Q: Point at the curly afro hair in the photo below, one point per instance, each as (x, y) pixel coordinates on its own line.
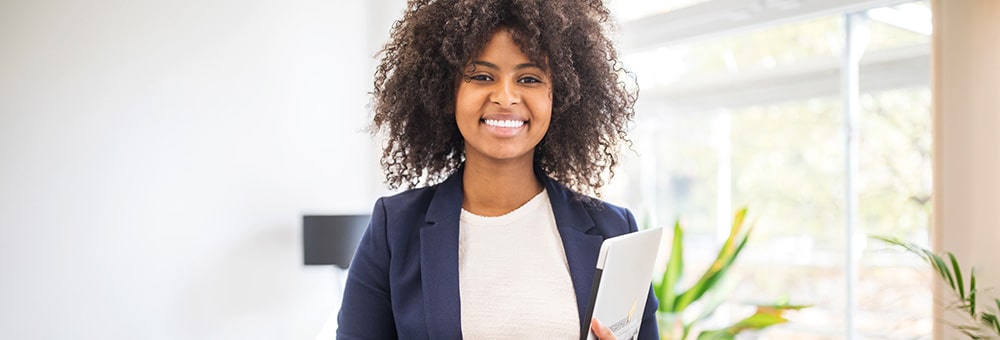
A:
(415, 84)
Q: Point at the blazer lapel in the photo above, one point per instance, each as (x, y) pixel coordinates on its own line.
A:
(573, 222)
(439, 261)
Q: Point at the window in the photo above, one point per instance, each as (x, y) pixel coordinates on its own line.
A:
(747, 105)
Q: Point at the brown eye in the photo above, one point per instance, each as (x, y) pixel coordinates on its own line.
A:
(529, 80)
(479, 78)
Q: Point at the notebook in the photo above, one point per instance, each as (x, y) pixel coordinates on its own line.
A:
(621, 282)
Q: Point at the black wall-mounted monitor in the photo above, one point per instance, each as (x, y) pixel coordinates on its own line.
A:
(331, 239)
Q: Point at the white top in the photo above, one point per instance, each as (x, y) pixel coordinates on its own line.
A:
(514, 280)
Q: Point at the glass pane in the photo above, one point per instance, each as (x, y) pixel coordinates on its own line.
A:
(784, 159)
(788, 167)
(775, 47)
(899, 26)
(895, 299)
(670, 173)
(894, 292)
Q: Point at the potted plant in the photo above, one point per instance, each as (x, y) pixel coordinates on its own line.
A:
(675, 323)
(981, 322)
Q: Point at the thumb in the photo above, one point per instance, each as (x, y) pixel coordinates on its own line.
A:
(600, 331)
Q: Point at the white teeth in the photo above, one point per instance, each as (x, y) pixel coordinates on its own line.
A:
(504, 123)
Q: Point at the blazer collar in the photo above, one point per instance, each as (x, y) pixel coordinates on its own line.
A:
(567, 206)
(446, 205)
(439, 251)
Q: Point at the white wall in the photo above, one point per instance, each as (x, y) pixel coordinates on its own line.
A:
(156, 158)
(966, 78)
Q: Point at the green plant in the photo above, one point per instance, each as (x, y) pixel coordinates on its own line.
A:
(675, 302)
(983, 322)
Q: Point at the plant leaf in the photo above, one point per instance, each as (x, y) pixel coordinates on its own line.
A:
(996, 321)
(942, 268)
(711, 276)
(738, 219)
(766, 316)
(716, 335)
(958, 275)
(991, 321)
(667, 291)
(781, 308)
(936, 262)
(968, 298)
(912, 248)
(760, 320)
(715, 298)
(972, 292)
(727, 255)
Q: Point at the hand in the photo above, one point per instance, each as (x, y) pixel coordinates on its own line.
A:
(600, 331)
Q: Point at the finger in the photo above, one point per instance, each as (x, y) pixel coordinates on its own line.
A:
(600, 331)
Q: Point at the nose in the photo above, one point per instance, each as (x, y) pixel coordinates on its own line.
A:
(506, 93)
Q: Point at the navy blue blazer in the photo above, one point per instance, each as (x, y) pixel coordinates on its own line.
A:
(403, 281)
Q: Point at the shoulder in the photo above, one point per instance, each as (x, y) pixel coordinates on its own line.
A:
(603, 208)
(609, 219)
(411, 202)
(606, 214)
(395, 218)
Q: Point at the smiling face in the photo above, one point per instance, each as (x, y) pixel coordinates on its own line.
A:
(503, 103)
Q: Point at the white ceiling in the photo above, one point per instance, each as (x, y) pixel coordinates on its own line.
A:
(721, 17)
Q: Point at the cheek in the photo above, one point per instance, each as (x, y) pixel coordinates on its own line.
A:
(462, 105)
(543, 108)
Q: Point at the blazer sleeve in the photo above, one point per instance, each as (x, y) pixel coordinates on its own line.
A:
(366, 308)
(649, 329)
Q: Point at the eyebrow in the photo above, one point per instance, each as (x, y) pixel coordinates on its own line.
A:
(495, 67)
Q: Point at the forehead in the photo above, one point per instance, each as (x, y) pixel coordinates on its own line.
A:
(503, 44)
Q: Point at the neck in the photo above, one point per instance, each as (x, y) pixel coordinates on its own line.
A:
(494, 189)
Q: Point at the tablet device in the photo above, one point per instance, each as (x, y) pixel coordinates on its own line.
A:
(621, 282)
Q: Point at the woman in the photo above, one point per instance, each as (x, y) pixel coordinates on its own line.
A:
(503, 114)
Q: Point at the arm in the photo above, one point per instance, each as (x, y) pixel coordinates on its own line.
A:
(649, 328)
(366, 309)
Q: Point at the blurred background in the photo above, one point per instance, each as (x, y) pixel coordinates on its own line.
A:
(156, 158)
(750, 104)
